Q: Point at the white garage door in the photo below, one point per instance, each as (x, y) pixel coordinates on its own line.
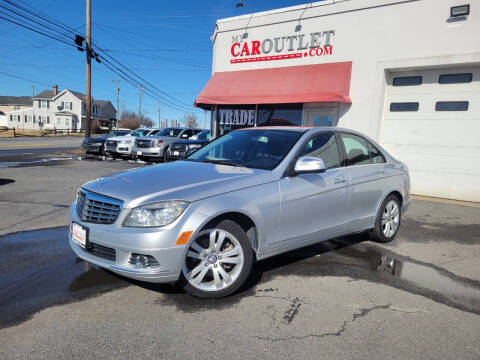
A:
(432, 123)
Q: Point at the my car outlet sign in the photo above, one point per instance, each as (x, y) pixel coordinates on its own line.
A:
(282, 47)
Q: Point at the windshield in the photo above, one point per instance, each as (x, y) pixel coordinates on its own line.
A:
(202, 135)
(172, 132)
(261, 149)
(140, 132)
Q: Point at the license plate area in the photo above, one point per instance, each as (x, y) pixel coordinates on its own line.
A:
(80, 235)
(176, 153)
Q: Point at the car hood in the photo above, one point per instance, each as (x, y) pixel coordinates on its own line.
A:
(180, 180)
(120, 138)
(96, 139)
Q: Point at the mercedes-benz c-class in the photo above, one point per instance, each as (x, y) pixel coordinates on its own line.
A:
(248, 195)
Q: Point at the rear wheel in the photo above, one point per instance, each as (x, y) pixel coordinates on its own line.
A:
(217, 262)
(388, 220)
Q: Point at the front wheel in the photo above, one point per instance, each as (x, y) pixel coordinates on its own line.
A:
(388, 220)
(165, 157)
(218, 261)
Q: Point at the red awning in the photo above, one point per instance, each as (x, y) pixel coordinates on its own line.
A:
(292, 84)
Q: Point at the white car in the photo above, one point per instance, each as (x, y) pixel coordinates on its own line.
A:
(122, 145)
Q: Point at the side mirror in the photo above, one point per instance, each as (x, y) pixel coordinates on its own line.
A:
(307, 164)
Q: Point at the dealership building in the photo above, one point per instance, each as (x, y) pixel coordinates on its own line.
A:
(406, 73)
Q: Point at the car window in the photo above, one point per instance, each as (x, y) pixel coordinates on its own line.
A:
(376, 156)
(187, 134)
(323, 146)
(356, 149)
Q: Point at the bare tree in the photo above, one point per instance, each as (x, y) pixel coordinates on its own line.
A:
(190, 120)
(129, 119)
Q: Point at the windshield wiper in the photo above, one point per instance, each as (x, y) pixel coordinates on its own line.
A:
(222, 162)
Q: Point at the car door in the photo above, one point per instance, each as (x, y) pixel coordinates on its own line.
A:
(366, 166)
(315, 204)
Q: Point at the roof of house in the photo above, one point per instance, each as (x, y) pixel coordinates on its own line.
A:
(45, 94)
(15, 100)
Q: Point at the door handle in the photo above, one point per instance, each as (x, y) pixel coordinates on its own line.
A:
(339, 180)
(380, 172)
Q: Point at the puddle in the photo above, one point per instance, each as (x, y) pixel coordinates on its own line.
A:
(38, 270)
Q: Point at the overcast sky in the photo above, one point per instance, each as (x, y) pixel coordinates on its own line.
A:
(166, 42)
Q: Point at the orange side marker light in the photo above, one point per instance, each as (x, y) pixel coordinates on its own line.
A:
(183, 238)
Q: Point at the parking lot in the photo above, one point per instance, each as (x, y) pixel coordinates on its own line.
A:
(346, 298)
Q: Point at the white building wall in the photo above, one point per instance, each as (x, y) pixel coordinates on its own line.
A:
(376, 35)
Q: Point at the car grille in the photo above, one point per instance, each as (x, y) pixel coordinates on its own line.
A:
(102, 251)
(142, 143)
(111, 143)
(179, 147)
(96, 208)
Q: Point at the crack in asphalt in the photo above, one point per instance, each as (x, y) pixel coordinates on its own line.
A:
(292, 311)
(362, 312)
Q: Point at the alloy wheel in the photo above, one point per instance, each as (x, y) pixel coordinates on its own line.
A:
(390, 219)
(214, 260)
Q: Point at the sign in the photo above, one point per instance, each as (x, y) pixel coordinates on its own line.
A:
(238, 117)
(282, 47)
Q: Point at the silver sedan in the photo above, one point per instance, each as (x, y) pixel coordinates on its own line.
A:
(248, 195)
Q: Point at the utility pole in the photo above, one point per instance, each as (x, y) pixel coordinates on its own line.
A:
(33, 89)
(118, 96)
(159, 123)
(89, 70)
(140, 105)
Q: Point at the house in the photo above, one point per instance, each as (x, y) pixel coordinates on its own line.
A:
(61, 110)
(9, 103)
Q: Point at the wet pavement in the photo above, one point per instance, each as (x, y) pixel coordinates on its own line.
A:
(38, 270)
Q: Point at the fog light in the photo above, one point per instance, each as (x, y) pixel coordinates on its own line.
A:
(142, 261)
(461, 10)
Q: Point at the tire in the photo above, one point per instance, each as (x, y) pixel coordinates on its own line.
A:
(207, 270)
(388, 220)
(165, 157)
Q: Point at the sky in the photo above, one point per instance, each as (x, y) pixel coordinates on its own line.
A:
(166, 42)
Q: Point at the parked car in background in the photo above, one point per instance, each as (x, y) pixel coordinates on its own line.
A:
(97, 144)
(250, 194)
(156, 147)
(178, 149)
(122, 145)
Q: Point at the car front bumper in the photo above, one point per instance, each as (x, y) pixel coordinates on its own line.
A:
(125, 241)
(148, 152)
(92, 148)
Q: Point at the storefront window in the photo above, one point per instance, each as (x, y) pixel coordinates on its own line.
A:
(280, 115)
(231, 117)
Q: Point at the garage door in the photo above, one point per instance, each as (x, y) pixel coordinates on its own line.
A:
(432, 123)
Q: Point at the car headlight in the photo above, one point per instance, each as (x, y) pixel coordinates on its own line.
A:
(97, 144)
(157, 214)
(124, 141)
(194, 146)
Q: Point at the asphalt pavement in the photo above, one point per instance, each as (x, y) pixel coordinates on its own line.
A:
(348, 298)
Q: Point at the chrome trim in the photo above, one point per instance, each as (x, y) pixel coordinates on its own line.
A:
(96, 208)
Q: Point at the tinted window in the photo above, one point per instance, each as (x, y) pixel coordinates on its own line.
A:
(403, 106)
(451, 106)
(262, 149)
(407, 81)
(280, 114)
(455, 78)
(376, 156)
(323, 146)
(356, 149)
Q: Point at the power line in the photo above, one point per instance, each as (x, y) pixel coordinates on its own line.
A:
(23, 78)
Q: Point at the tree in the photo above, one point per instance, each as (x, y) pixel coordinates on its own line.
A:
(129, 119)
(190, 120)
